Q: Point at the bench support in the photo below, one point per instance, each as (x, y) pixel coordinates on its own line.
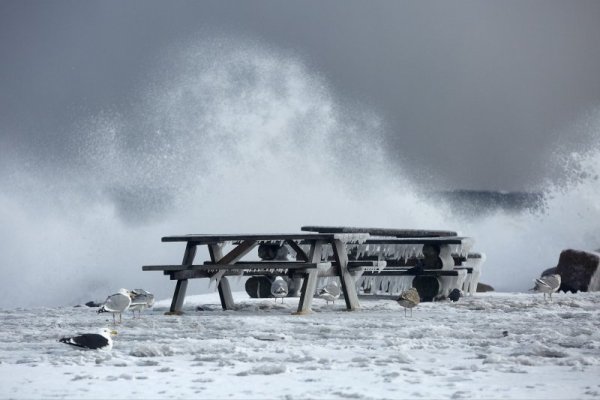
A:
(346, 278)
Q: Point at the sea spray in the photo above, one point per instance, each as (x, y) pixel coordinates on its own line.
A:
(233, 137)
(519, 246)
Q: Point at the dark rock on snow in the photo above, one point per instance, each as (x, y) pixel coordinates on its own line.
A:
(482, 287)
(579, 270)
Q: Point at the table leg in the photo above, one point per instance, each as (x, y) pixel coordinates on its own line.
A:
(348, 283)
(181, 286)
(310, 281)
(225, 294)
(178, 296)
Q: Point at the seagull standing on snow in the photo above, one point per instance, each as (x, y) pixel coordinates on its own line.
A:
(140, 300)
(409, 299)
(279, 288)
(116, 304)
(94, 341)
(330, 292)
(547, 284)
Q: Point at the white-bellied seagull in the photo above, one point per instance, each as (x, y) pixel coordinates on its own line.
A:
(279, 288)
(140, 300)
(330, 292)
(116, 304)
(547, 284)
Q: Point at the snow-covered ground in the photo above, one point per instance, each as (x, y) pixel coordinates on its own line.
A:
(496, 345)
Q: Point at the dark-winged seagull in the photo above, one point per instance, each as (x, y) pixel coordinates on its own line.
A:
(547, 284)
(116, 303)
(279, 288)
(330, 292)
(409, 299)
(140, 300)
(93, 341)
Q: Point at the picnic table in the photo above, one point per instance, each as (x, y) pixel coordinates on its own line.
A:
(341, 252)
(438, 260)
(308, 264)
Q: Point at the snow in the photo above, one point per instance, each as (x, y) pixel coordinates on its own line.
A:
(490, 345)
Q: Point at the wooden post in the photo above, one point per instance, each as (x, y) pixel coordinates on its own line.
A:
(310, 281)
(348, 284)
(225, 294)
(216, 256)
(181, 286)
(178, 297)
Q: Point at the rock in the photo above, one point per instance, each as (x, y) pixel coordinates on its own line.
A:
(579, 270)
(93, 304)
(482, 287)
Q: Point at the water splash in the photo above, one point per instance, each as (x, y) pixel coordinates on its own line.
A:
(231, 137)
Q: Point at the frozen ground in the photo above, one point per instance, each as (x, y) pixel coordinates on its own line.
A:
(549, 350)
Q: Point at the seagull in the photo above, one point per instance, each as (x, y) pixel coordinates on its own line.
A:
(409, 299)
(94, 341)
(140, 300)
(547, 284)
(116, 304)
(279, 288)
(330, 292)
(454, 295)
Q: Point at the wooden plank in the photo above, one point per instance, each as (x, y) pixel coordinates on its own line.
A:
(411, 272)
(423, 240)
(269, 265)
(178, 297)
(216, 255)
(225, 294)
(400, 233)
(310, 281)
(196, 274)
(299, 252)
(181, 286)
(173, 267)
(237, 266)
(177, 272)
(190, 274)
(206, 239)
(340, 255)
(236, 253)
(402, 262)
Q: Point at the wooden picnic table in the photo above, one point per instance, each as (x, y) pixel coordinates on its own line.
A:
(309, 267)
(329, 252)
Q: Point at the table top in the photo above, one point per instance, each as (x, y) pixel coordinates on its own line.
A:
(401, 233)
(420, 240)
(217, 238)
(359, 238)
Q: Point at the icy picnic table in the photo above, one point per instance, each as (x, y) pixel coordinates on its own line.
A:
(333, 244)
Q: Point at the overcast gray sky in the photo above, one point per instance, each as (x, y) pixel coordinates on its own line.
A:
(478, 93)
